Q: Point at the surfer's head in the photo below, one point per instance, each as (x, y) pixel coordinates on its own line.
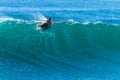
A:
(49, 19)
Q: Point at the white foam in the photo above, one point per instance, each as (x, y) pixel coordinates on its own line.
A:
(2, 19)
(87, 22)
(39, 17)
(97, 22)
(72, 21)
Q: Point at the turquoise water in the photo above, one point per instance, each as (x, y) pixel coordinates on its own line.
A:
(83, 44)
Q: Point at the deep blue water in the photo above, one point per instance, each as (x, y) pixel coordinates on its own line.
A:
(83, 43)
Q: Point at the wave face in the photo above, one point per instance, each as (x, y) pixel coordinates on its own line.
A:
(66, 51)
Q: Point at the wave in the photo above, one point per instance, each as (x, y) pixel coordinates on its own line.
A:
(67, 33)
(67, 46)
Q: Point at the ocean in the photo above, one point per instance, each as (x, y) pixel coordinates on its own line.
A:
(82, 44)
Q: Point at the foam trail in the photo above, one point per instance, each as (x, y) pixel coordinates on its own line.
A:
(39, 17)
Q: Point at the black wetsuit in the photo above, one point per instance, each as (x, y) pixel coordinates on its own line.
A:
(45, 26)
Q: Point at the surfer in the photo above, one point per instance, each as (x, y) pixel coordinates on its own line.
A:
(47, 24)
